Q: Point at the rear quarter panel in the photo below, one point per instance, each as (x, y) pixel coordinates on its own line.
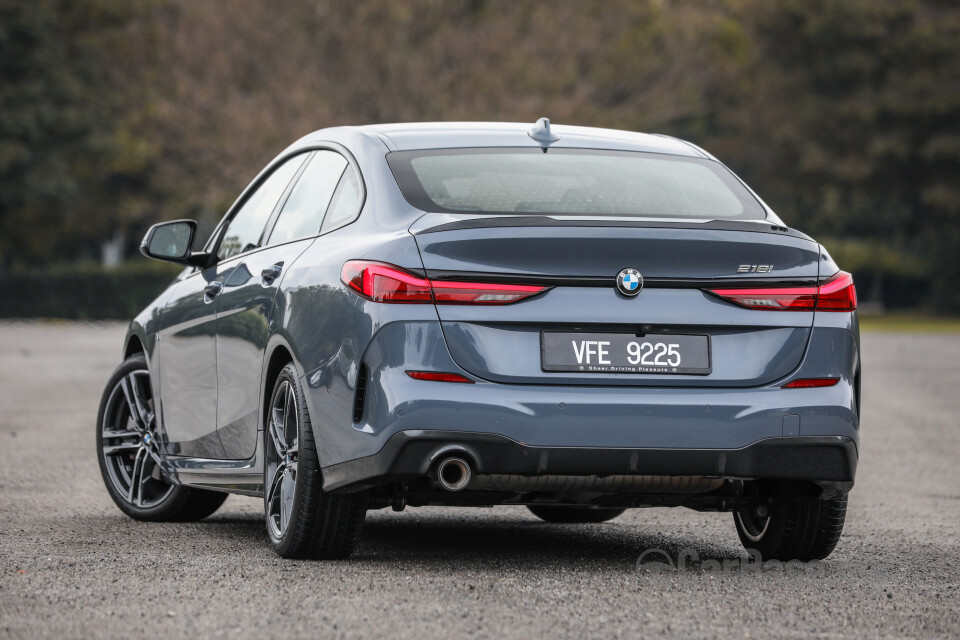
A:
(328, 328)
(325, 326)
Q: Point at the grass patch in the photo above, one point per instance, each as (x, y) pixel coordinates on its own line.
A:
(916, 322)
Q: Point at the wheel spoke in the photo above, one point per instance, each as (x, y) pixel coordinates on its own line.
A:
(276, 421)
(131, 405)
(143, 408)
(157, 463)
(293, 454)
(147, 471)
(287, 486)
(117, 449)
(283, 512)
(120, 434)
(275, 484)
(135, 495)
(288, 414)
(139, 409)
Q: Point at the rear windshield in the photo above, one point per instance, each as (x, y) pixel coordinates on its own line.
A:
(571, 181)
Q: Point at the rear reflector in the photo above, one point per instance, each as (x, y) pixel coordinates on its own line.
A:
(810, 383)
(836, 294)
(438, 377)
(381, 282)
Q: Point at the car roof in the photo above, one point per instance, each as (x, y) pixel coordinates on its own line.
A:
(446, 135)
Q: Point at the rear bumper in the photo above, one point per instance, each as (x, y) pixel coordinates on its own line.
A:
(519, 429)
(826, 460)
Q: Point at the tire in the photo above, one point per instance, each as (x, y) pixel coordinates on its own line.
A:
(796, 528)
(130, 457)
(302, 521)
(557, 514)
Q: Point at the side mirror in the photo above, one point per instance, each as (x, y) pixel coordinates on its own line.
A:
(172, 242)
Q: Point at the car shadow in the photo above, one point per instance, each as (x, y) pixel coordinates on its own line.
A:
(444, 543)
(476, 542)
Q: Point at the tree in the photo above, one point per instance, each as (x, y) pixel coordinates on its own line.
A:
(850, 124)
(68, 164)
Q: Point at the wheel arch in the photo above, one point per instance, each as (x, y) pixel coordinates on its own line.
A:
(279, 355)
(143, 332)
(133, 346)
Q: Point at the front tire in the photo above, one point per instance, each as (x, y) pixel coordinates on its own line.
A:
(131, 461)
(792, 527)
(302, 520)
(557, 514)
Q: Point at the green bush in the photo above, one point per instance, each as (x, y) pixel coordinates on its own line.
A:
(87, 292)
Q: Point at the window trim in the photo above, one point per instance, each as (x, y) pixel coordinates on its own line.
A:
(336, 193)
(351, 163)
(216, 238)
(213, 244)
(281, 203)
(275, 216)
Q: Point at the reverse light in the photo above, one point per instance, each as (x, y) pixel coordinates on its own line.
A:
(836, 294)
(437, 376)
(381, 282)
(811, 383)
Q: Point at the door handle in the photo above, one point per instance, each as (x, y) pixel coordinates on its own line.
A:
(271, 273)
(211, 290)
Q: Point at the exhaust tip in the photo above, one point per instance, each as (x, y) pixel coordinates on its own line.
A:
(453, 474)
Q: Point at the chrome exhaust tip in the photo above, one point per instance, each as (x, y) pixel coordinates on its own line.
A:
(454, 474)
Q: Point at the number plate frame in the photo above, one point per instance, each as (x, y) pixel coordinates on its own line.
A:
(556, 362)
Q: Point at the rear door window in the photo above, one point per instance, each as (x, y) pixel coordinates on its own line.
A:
(303, 212)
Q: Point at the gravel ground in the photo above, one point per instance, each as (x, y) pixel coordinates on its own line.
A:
(73, 566)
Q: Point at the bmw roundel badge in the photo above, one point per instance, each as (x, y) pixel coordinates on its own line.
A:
(629, 282)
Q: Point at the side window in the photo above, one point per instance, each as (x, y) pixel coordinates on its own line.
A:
(302, 213)
(244, 230)
(346, 202)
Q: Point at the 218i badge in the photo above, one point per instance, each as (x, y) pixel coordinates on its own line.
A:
(629, 282)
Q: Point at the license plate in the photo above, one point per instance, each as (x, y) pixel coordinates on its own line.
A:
(663, 353)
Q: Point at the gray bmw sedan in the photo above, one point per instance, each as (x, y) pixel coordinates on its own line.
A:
(577, 320)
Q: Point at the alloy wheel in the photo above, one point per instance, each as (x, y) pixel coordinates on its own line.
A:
(283, 448)
(129, 443)
(753, 521)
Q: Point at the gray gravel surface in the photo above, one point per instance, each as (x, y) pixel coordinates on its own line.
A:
(73, 566)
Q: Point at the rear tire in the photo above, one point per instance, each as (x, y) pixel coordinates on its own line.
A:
(128, 450)
(302, 521)
(796, 528)
(561, 514)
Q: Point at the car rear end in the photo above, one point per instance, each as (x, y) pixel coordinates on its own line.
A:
(614, 328)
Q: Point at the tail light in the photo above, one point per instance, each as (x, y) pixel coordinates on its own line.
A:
(381, 282)
(836, 294)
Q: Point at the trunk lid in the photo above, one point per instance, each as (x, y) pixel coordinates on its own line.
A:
(580, 260)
